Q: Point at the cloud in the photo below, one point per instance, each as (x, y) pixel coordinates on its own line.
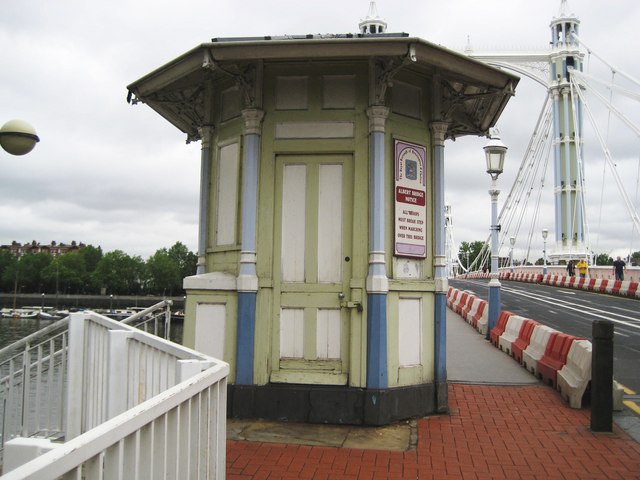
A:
(118, 176)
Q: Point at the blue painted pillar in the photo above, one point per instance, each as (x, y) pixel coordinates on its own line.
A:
(557, 172)
(439, 130)
(247, 282)
(377, 280)
(494, 282)
(568, 188)
(206, 134)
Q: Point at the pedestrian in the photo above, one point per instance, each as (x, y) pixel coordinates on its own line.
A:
(582, 268)
(618, 268)
(571, 268)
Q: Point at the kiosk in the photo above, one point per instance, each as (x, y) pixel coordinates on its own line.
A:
(322, 272)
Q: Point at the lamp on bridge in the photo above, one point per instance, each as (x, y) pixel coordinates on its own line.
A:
(512, 241)
(18, 137)
(495, 152)
(545, 232)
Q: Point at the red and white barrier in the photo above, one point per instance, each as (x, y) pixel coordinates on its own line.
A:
(510, 334)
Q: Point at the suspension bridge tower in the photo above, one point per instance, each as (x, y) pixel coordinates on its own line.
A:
(552, 69)
(567, 137)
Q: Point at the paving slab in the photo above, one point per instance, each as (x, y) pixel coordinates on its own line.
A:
(502, 423)
(473, 359)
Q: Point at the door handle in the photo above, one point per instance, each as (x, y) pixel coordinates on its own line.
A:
(346, 304)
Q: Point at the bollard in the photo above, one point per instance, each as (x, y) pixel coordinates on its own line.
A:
(602, 376)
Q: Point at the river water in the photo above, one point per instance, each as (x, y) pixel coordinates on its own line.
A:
(12, 330)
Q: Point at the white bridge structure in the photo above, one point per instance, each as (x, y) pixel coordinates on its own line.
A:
(560, 133)
(104, 400)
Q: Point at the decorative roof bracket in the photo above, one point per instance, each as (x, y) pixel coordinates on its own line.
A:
(386, 69)
(245, 79)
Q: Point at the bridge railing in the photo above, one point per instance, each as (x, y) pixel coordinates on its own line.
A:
(604, 272)
(180, 433)
(33, 376)
(89, 371)
(132, 401)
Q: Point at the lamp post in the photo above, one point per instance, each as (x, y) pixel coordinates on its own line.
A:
(18, 137)
(495, 152)
(512, 241)
(545, 232)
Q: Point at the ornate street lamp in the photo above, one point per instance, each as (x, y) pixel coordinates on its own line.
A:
(18, 137)
(512, 241)
(495, 153)
(545, 232)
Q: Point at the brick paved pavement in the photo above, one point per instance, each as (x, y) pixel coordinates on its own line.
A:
(490, 433)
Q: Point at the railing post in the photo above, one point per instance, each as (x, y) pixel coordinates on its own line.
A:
(602, 376)
(167, 322)
(75, 376)
(26, 385)
(117, 373)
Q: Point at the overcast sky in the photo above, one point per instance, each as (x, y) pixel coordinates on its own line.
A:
(110, 174)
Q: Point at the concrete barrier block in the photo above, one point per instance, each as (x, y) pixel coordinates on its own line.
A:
(466, 308)
(480, 315)
(511, 332)
(452, 294)
(501, 324)
(536, 348)
(473, 310)
(575, 375)
(618, 397)
(524, 337)
(618, 287)
(555, 357)
(462, 300)
(483, 321)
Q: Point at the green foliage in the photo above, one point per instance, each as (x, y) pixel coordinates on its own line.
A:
(89, 271)
(68, 274)
(7, 270)
(164, 273)
(473, 249)
(118, 273)
(26, 273)
(635, 258)
(185, 259)
(603, 259)
(91, 255)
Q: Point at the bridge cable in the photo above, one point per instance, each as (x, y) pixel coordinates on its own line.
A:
(514, 209)
(609, 160)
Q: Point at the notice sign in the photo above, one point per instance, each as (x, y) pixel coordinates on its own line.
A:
(411, 200)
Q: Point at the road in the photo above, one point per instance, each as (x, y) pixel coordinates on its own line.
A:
(573, 311)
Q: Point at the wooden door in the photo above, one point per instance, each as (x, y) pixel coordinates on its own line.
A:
(312, 268)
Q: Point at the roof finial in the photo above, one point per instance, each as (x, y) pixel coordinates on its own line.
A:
(564, 8)
(372, 24)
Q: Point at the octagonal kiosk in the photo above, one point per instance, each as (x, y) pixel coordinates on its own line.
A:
(321, 264)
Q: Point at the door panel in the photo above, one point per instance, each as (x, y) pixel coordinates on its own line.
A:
(312, 242)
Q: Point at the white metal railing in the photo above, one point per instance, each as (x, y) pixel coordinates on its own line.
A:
(33, 375)
(180, 433)
(159, 406)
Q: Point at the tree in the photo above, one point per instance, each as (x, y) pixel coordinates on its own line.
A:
(603, 259)
(167, 269)
(473, 250)
(26, 273)
(635, 258)
(8, 263)
(68, 273)
(164, 273)
(186, 260)
(91, 255)
(118, 273)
